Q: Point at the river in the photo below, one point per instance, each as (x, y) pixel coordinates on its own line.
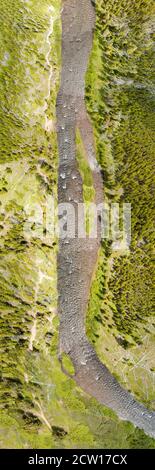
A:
(77, 257)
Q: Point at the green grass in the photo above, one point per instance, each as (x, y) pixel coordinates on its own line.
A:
(87, 180)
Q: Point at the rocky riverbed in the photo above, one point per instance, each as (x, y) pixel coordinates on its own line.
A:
(77, 258)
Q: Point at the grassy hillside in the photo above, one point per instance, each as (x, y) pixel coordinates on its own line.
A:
(121, 313)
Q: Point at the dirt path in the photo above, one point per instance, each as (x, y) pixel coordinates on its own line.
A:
(77, 257)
